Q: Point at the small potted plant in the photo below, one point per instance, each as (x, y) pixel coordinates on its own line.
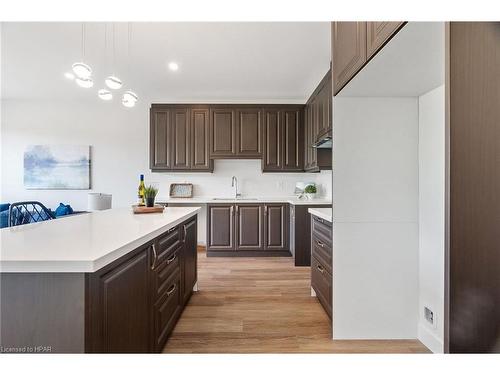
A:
(150, 195)
(310, 191)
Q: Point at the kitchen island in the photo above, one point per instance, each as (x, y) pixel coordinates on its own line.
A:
(108, 281)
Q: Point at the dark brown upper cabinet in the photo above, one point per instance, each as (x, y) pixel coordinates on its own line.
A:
(349, 51)
(200, 140)
(249, 133)
(283, 145)
(276, 226)
(354, 44)
(223, 133)
(159, 131)
(377, 34)
(318, 124)
(181, 139)
(249, 227)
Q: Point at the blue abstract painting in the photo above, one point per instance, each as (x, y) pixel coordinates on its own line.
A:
(65, 167)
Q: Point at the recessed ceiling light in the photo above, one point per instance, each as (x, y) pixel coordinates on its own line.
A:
(105, 94)
(84, 82)
(173, 66)
(69, 75)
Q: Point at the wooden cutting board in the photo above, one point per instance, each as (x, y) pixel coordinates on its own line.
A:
(147, 210)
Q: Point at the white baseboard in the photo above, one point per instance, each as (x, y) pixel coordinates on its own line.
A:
(313, 292)
(430, 339)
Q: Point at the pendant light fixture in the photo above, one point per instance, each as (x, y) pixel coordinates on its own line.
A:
(112, 81)
(129, 98)
(105, 94)
(86, 83)
(80, 69)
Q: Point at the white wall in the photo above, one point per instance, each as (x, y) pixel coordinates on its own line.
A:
(431, 152)
(375, 190)
(119, 140)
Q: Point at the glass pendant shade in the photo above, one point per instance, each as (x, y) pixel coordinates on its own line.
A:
(84, 82)
(113, 82)
(82, 70)
(129, 99)
(105, 94)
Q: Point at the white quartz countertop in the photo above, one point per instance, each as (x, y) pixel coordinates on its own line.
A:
(83, 243)
(323, 213)
(205, 200)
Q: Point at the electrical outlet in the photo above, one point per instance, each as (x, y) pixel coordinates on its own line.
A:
(429, 316)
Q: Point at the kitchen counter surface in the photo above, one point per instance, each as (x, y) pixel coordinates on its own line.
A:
(205, 200)
(83, 243)
(323, 213)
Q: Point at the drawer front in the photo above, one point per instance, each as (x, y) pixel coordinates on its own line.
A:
(322, 227)
(167, 243)
(321, 281)
(169, 266)
(166, 311)
(322, 250)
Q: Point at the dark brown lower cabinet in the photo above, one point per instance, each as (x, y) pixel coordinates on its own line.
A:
(259, 229)
(133, 304)
(321, 262)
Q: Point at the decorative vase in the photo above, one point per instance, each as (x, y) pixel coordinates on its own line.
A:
(150, 202)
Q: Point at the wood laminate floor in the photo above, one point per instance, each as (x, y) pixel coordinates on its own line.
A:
(262, 305)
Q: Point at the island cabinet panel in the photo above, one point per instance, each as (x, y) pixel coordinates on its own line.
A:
(348, 51)
(200, 140)
(220, 223)
(160, 138)
(181, 145)
(249, 227)
(276, 224)
(119, 305)
(189, 275)
(133, 304)
(249, 133)
(222, 133)
(378, 33)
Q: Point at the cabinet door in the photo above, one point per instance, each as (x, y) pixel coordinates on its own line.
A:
(249, 133)
(348, 51)
(276, 226)
(273, 154)
(159, 135)
(293, 144)
(222, 133)
(119, 296)
(200, 140)
(377, 34)
(220, 227)
(324, 122)
(249, 227)
(190, 258)
(181, 136)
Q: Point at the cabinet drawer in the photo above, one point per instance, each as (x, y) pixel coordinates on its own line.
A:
(323, 228)
(167, 243)
(166, 311)
(321, 281)
(322, 250)
(170, 265)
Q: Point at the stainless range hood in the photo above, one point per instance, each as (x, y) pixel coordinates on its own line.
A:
(324, 142)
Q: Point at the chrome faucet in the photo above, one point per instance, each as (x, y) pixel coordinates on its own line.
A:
(234, 183)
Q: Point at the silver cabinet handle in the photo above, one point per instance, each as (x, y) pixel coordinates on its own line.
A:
(321, 244)
(155, 255)
(231, 210)
(171, 290)
(172, 258)
(185, 234)
(320, 269)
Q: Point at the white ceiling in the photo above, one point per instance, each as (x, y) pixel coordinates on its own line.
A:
(270, 62)
(412, 63)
